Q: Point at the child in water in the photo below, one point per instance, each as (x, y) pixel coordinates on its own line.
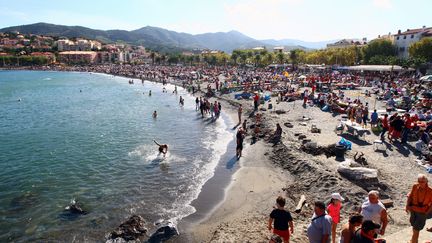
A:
(163, 148)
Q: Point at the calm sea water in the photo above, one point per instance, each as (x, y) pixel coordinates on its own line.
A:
(95, 146)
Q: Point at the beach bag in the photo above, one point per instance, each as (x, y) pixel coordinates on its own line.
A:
(325, 108)
(345, 143)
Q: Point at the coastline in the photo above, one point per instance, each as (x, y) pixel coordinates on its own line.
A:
(203, 209)
(266, 172)
(254, 184)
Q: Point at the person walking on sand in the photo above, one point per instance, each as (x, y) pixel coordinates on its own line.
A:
(419, 206)
(239, 111)
(333, 210)
(281, 220)
(349, 229)
(319, 229)
(385, 126)
(373, 209)
(240, 138)
(197, 106)
(256, 100)
(163, 148)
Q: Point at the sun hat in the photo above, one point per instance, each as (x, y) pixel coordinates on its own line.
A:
(337, 196)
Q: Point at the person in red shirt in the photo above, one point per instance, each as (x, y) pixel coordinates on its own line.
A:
(256, 100)
(408, 126)
(385, 126)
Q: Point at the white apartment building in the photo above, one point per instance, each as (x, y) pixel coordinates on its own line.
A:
(403, 40)
(65, 45)
(79, 45)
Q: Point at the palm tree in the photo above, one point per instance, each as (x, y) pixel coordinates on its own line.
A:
(163, 58)
(243, 58)
(257, 60)
(280, 56)
(224, 60)
(269, 58)
(197, 59)
(152, 56)
(234, 57)
(293, 57)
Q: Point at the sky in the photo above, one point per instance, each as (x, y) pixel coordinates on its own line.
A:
(308, 20)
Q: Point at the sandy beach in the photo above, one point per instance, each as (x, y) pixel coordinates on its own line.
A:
(268, 171)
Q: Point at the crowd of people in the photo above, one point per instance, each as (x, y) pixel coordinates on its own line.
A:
(407, 115)
(367, 225)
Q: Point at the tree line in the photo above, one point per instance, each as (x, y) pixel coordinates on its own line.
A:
(376, 52)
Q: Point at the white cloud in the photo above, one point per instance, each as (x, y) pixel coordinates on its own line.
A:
(382, 3)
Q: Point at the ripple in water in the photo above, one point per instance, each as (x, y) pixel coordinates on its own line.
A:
(96, 146)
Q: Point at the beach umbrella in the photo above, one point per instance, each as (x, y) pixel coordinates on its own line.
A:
(426, 78)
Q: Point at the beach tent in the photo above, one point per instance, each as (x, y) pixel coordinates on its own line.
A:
(382, 68)
(426, 78)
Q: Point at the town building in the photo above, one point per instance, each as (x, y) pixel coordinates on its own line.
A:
(259, 48)
(8, 42)
(278, 49)
(79, 45)
(388, 37)
(65, 45)
(403, 40)
(347, 43)
(78, 57)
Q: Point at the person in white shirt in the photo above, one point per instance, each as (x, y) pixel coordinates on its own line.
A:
(373, 209)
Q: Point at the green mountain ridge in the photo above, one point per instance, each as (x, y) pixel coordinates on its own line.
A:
(151, 37)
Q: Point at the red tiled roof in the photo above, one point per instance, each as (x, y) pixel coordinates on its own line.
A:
(415, 31)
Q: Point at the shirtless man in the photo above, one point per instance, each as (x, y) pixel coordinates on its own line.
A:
(163, 148)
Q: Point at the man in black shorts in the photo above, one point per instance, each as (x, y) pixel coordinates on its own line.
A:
(240, 138)
(283, 222)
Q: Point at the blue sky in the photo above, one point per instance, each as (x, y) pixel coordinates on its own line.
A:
(309, 20)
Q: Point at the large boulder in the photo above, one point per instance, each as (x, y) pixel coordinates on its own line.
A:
(163, 233)
(132, 229)
(355, 172)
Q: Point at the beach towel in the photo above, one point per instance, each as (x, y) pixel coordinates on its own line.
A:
(345, 143)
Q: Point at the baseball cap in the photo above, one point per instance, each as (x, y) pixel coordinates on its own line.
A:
(368, 225)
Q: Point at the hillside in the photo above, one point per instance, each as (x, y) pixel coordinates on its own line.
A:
(153, 37)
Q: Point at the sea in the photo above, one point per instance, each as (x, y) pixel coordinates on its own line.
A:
(88, 138)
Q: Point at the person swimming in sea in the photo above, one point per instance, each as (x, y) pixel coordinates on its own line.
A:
(149, 92)
(181, 102)
(154, 114)
(163, 148)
